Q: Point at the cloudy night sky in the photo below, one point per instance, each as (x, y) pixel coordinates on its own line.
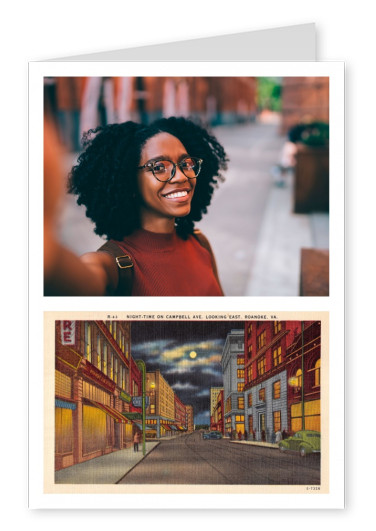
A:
(188, 354)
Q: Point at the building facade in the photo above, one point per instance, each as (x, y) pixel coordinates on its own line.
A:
(233, 382)
(274, 376)
(95, 379)
(165, 414)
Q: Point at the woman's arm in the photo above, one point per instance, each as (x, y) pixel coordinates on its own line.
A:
(64, 272)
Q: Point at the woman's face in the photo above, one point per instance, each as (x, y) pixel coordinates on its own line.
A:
(162, 202)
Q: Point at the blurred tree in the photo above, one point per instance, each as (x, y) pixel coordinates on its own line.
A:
(269, 92)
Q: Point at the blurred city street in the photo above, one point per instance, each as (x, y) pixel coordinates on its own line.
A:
(254, 233)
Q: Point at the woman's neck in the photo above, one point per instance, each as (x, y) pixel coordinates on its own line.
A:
(160, 225)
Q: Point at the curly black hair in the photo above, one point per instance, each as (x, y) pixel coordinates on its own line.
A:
(105, 176)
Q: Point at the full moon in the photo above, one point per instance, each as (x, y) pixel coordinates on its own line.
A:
(193, 354)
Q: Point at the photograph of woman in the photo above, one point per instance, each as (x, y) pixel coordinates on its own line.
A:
(144, 187)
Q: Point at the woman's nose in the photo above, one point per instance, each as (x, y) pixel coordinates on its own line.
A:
(178, 176)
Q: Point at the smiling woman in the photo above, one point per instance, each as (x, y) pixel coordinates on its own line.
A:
(144, 187)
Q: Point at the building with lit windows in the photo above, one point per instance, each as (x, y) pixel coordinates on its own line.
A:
(303, 365)
(233, 381)
(95, 379)
(165, 414)
(190, 418)
(273, 376)
(218, 417)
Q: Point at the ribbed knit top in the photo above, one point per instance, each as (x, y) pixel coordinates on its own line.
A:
(166, 265)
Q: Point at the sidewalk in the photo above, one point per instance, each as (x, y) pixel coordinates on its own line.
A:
(276, 266)
(107, 469)
(257, 443)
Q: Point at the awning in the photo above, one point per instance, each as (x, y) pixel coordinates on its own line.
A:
(110, 411)
(173, 427)
(180, 428)
(132, 415)
(139, 426)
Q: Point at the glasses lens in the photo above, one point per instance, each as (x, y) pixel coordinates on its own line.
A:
(162, 169)
(191, 167)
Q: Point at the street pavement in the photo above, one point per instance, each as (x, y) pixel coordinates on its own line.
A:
(254, 233)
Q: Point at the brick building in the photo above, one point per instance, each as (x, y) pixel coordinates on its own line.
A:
(95, 378)
(274, 366)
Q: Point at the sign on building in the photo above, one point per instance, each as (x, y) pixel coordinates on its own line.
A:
(137, 401)
(68, 333)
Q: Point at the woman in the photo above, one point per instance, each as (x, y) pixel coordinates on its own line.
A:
(144, 187)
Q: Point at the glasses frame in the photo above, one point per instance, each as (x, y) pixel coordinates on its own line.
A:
(150, 166)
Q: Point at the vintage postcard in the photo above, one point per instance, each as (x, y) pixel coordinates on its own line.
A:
(187, 285)
(186, 403)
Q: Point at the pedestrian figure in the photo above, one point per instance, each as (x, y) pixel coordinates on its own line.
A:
(240, 435)
(278, 436)
(284, 434)
(254, 434)
(263, 435)
(245, 435)
(136, 440)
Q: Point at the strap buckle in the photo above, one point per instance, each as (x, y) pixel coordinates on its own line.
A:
(128, 259)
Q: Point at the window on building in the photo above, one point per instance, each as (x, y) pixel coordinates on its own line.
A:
(298, 377)
(114, 330)
(249, 329)
(277, 327)
(240, 360)
(116, 363)
(240, 373)
(250, 423)
(239, 418)
(87, 340)
(249, 351)
(240, 387)
(261, 365)
(228, 405)
(262, 395)
(111, 365)
(250, 401)
(241, 402)
(277, 356)
(250, 373)
(261, 340)
(104, 359)
(99, 352)
(277, 389)
(276, 421)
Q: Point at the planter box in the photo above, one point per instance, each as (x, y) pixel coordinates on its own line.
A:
(311, 187)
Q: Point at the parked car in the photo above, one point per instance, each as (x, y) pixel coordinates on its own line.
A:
(305, 442)
(212, 435)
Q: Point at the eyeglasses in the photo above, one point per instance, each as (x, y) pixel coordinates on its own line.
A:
(165, 170)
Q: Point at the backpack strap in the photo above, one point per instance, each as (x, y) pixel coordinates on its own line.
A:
(206, 245)
(125, 268)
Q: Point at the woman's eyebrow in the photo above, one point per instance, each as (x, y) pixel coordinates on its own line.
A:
(166, 157)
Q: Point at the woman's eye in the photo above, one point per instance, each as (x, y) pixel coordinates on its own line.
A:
(159, 167)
